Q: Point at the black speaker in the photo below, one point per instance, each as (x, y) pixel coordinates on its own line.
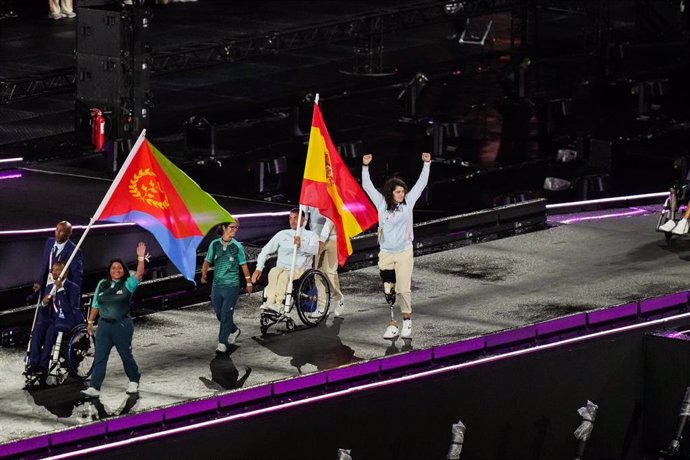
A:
(101, 78)
(100, 31)
(113, 68)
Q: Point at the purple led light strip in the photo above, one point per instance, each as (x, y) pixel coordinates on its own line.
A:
(365, 387)
(634, 212)
(607, 200)
(10, 175)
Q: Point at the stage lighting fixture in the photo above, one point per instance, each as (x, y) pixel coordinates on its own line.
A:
(351, 150)
(410, 94)
(584, 431)
(457, 432)
(469, 37)
(269, 174)
(555, 184)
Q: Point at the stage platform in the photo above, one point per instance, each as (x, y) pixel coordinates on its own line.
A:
(584, 262)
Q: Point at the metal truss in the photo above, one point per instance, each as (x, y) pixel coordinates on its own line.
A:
(231, 50)
(58, 80)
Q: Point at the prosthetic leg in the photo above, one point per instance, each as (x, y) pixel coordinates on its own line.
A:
(388, 277)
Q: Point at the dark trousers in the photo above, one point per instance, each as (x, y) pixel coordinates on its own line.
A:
(224, 299)
(118, 334)
(42, 341)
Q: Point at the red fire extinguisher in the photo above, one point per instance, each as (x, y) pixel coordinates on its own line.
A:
(97, 129)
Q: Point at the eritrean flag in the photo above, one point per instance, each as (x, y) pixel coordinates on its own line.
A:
(153, 193)
(329, 186)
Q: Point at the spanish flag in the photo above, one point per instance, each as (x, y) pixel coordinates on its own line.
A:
(329, 186)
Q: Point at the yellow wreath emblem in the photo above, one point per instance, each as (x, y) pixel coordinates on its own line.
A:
(144, 185)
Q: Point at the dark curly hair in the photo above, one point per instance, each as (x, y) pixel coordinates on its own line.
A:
(388, 189)
(124, 266)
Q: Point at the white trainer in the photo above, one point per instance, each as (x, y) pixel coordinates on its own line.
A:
(90, 392)
(232, 338)
(316, 314)
(392, 332)
(668, 226)
(132, 388)
(221, 348)
(406, 332)
(681, 227)
(339, 309)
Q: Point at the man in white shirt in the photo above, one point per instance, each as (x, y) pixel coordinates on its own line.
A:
(283, 244)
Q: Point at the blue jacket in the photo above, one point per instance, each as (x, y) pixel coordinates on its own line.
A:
(76, 268)
(66, 299)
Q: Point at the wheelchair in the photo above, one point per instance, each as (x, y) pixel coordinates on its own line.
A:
(72, 356)
(308, 291)
(672, 208)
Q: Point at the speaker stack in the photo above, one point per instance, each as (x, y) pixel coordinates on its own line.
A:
(113, 68)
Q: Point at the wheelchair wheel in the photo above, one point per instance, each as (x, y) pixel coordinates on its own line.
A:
(312, 297)
(80, 353)
(265, 322)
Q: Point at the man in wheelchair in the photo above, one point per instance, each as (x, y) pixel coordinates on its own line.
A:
(59, 311)
(674, 225)
(283, 243)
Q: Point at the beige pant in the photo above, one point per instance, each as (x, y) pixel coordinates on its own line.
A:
(328, 264)
(278, 279)
(60, 6)
(402, 263)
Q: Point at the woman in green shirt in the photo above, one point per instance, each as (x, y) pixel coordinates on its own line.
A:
(226, 254)
(115, 328)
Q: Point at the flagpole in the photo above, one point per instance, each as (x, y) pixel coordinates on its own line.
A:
(288, 295)
(109, 193)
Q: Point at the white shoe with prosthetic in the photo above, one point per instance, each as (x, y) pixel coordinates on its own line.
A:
(391, 332)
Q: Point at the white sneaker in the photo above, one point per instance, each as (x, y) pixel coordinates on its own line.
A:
(316, 314)
(69, 15)
(221, 348)
(232, 338)
(132, 388)
(668, 226)
(406, 329)
(392, 332)
(339, 309)
(681, 227)
(90, 392)
(56, 16)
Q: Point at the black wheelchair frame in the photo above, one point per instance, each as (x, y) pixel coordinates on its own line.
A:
(306, 296)
(72, 355)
